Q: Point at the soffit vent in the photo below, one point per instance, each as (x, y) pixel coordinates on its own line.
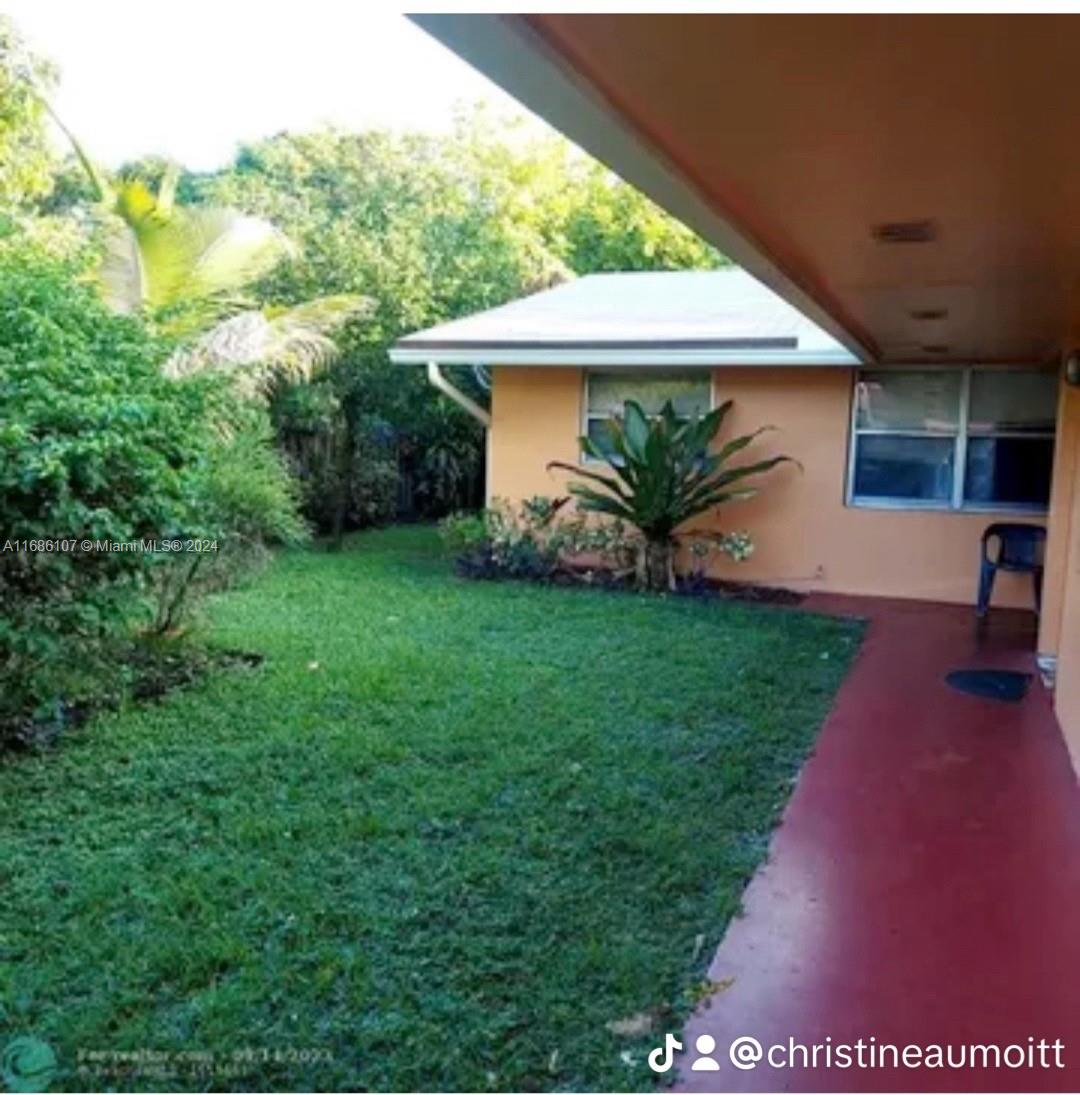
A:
(905, 232)
(929, 315)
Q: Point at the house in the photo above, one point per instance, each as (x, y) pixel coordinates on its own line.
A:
(903, 467)
(911, 185)
(892, 178)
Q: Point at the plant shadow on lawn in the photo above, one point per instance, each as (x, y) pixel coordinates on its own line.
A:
(445, 836)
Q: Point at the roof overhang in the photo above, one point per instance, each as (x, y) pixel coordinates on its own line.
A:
(652, 357)
(803, 146)
(508, 50)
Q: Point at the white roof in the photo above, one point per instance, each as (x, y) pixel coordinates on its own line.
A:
(704, 317)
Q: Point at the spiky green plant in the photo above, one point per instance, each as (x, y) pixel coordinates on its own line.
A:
(662, 473)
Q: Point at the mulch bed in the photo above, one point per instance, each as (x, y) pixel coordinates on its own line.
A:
(726, 590)
(155, 673)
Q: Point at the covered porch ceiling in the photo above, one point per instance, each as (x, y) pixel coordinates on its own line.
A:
(912, 183)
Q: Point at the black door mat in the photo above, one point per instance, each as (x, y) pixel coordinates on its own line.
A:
(991, 684)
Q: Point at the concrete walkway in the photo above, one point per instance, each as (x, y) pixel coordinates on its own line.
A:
(924, 886)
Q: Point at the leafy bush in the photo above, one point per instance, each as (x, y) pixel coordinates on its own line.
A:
(95, 445)
(98, 449)
(502, 542)
(531, 541)
(462, 532)
(346, 463)
(535, 541)
(242, 500)
(703, 548)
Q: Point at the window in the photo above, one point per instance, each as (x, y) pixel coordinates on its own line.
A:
(974, 438)
(606, 392)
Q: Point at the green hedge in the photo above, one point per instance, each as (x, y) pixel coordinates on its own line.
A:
(97, 446)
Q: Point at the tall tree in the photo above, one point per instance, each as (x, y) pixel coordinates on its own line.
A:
(432, 228)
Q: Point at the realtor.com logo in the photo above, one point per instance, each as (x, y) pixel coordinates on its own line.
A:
(27, 1064)
(746, 1053)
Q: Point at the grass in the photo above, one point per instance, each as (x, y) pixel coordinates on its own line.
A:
(438, 840)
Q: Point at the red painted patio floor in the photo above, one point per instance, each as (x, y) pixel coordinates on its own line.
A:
(924, 885)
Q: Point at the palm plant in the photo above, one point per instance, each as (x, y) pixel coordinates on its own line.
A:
(185, 264)
(186, 268)
(663, 474)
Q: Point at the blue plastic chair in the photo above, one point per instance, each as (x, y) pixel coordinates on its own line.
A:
(1019, 548)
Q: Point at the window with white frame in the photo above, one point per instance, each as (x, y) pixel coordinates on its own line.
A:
(606, 391)
(953, 438)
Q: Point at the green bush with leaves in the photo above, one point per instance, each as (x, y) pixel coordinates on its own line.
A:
(663, 472)
(95, 445)
(242, 500)
(99, 455)
(535, 540)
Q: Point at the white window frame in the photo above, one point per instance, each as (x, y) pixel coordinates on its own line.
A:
(585, 417)
(956, 503)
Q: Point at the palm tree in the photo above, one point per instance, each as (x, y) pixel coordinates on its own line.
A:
(186, 268)
(663, 474)
(189, 260)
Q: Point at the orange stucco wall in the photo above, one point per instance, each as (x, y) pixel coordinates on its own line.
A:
(1061, 621)
(1059, 523)
(805, 536)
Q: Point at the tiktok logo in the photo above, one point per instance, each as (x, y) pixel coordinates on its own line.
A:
(663, 1057)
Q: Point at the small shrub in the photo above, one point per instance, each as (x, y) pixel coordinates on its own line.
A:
(243, 500)
(704, 548)
(461, 532)
(532, 541)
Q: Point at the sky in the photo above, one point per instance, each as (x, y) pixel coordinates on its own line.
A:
(191, 80)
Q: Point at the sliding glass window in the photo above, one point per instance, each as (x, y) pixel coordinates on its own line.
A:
(953, 438)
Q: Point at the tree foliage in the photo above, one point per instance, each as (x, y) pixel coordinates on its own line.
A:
(430, 228)
(27, 159)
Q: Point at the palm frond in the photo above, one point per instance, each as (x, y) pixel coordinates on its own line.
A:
(258, 349)
(224, 250)
(121, 275)
(183, 256)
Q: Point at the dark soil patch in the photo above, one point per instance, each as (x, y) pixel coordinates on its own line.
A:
(744, 591)
(605, 579)
(153, 670)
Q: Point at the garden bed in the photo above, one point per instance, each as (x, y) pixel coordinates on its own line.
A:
(600, 577)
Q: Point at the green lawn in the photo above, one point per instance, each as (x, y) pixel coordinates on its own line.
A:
(438, 840)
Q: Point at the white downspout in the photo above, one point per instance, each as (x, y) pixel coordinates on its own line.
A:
(438, 380)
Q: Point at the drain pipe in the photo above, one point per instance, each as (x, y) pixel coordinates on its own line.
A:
(438, 380)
